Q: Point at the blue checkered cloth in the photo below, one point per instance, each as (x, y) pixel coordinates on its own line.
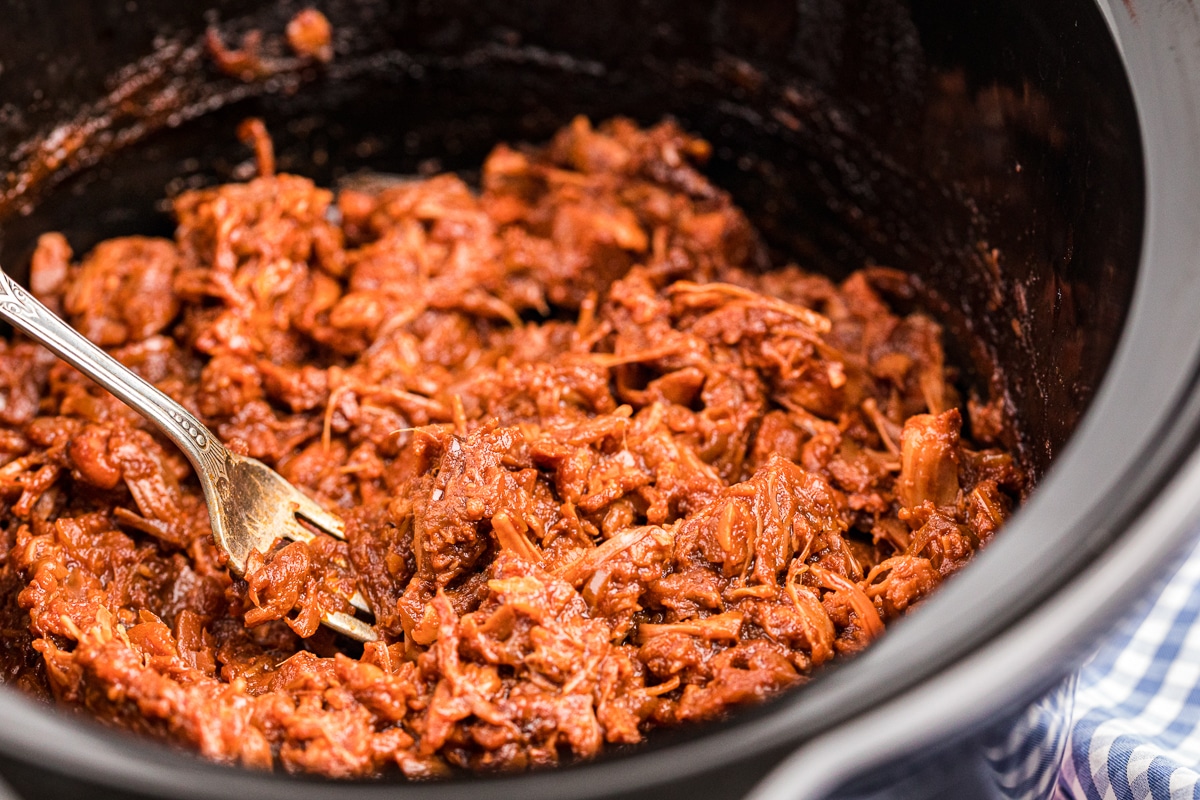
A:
(1126, 726)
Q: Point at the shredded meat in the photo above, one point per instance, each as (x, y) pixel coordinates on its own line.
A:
(308, 35)
(601, 471)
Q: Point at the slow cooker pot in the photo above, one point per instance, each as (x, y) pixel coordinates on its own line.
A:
(1032, 164)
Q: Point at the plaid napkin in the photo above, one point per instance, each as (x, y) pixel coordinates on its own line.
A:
(1126, 726)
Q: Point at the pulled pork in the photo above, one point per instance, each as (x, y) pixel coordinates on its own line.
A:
(602, 470)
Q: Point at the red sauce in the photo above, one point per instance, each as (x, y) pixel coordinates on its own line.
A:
(605, 466)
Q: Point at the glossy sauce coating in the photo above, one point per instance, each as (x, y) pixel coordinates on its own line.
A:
(605, 466)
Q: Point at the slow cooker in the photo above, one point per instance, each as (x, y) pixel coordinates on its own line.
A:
(1033, 165)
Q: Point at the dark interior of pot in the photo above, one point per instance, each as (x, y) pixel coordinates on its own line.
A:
(991, 149)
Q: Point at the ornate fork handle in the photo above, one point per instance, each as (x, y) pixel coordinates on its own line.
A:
(23, 311)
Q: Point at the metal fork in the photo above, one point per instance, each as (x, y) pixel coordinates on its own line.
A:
(250, 504)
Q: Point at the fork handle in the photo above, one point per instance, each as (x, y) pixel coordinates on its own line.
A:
(25, 313)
